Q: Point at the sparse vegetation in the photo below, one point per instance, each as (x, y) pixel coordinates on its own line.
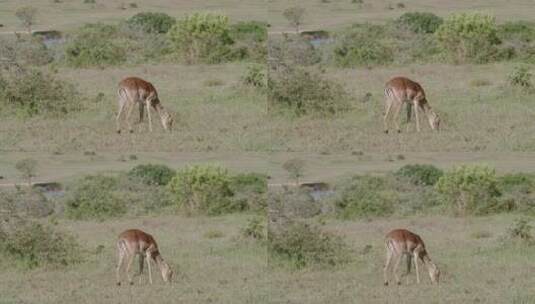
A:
(27, 168)
(295, 168)
(152, 174)
(295, 16)
(521, 77)
(151, 22)
(27, 16)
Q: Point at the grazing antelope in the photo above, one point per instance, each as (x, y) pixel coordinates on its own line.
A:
(133, 90)
(400, 90)
(401, 242)
(136, 242)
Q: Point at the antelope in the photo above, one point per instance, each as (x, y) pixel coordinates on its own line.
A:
(134, 90)
(401, 242)
(136, 242)
(400, 90)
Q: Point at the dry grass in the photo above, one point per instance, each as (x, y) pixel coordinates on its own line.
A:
(72, 13)
(218, 270)
(477, 270)
(339, 13)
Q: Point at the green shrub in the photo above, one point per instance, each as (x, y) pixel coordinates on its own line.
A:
(366, 196)
(363, 45)
(204, 189)
(427, 175)
(255, 229)
(420, 22)
(95, 196)
(152, 174)
(511, 181)
(519, 233)
(517, 30)
(249, 31)
(151, 22)
(290, 50)
(306, 91)
(469, 37)
(94, 45)
(202, 38)
(255, 76)
(33, 244)
(305, 245)
(520, 77)
(470, 189)
(32, 92)
(291, 204)
(143, 197)
(250, 189)
(26, 203)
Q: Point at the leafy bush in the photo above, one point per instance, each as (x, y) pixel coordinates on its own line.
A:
(306, 92)
(255, 229)
(255, 76)
(151, 22)
(32, 92)
(517, 30)
(204, 189)
(250, 189)
(469, 37)
(520, 77)
(249, 31)
(142, 197)
(304, 245)
(363, 45)
(470, 189)
(290, 50)
(34, 244)
(202, 38)
(291, 204)
(95, 196)
(520, 232)
(420, 22)
(427, 175)
(94, 45)
(26, 203)
(151, 174)
(366, 196)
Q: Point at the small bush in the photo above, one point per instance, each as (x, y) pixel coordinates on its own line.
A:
(520, 77)
(249, 31)
(520, 233)
(95, 196)
(26, 203)
(213, 234)
(306, 92)
(24, 51)
(32, 92)
(295, 16)
(202, 38)
(304, 245)
(363, 45)
(255, 76)
(480, 82)
(94, 45)
(291, 204)
(420, 22)
(470, 189)
(90, 1)
(151, 22)
(33, 244)
(151, 174)
(366, 196)
(427, 175)
(255, 229)
(290, 50)
(204, 189)
(469, 37)
(250, 189)
(27, 168)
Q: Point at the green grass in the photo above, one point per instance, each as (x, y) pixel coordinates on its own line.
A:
(220, 270)
(339, 13)
(473, 269)
(73, 13)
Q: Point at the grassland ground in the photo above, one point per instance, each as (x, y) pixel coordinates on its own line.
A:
(318, 167)
(69, 14)
(223, 115)
(211, 267)
(335, 14)
(475, 266)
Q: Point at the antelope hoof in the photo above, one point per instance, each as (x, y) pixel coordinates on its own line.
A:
(386, 283)
(399, 131)
(399, 283)
(131, 283)
(131, 131)
(386, 131)
(118, 283)
(118, 131)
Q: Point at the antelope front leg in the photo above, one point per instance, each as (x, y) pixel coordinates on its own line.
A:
(150, 269)
(397, 109)
(129, 113)
(409, 116)
(416, 110)
(141, 264)
(141, 112)
(396, 266)
(417, 269)
(150, 119)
